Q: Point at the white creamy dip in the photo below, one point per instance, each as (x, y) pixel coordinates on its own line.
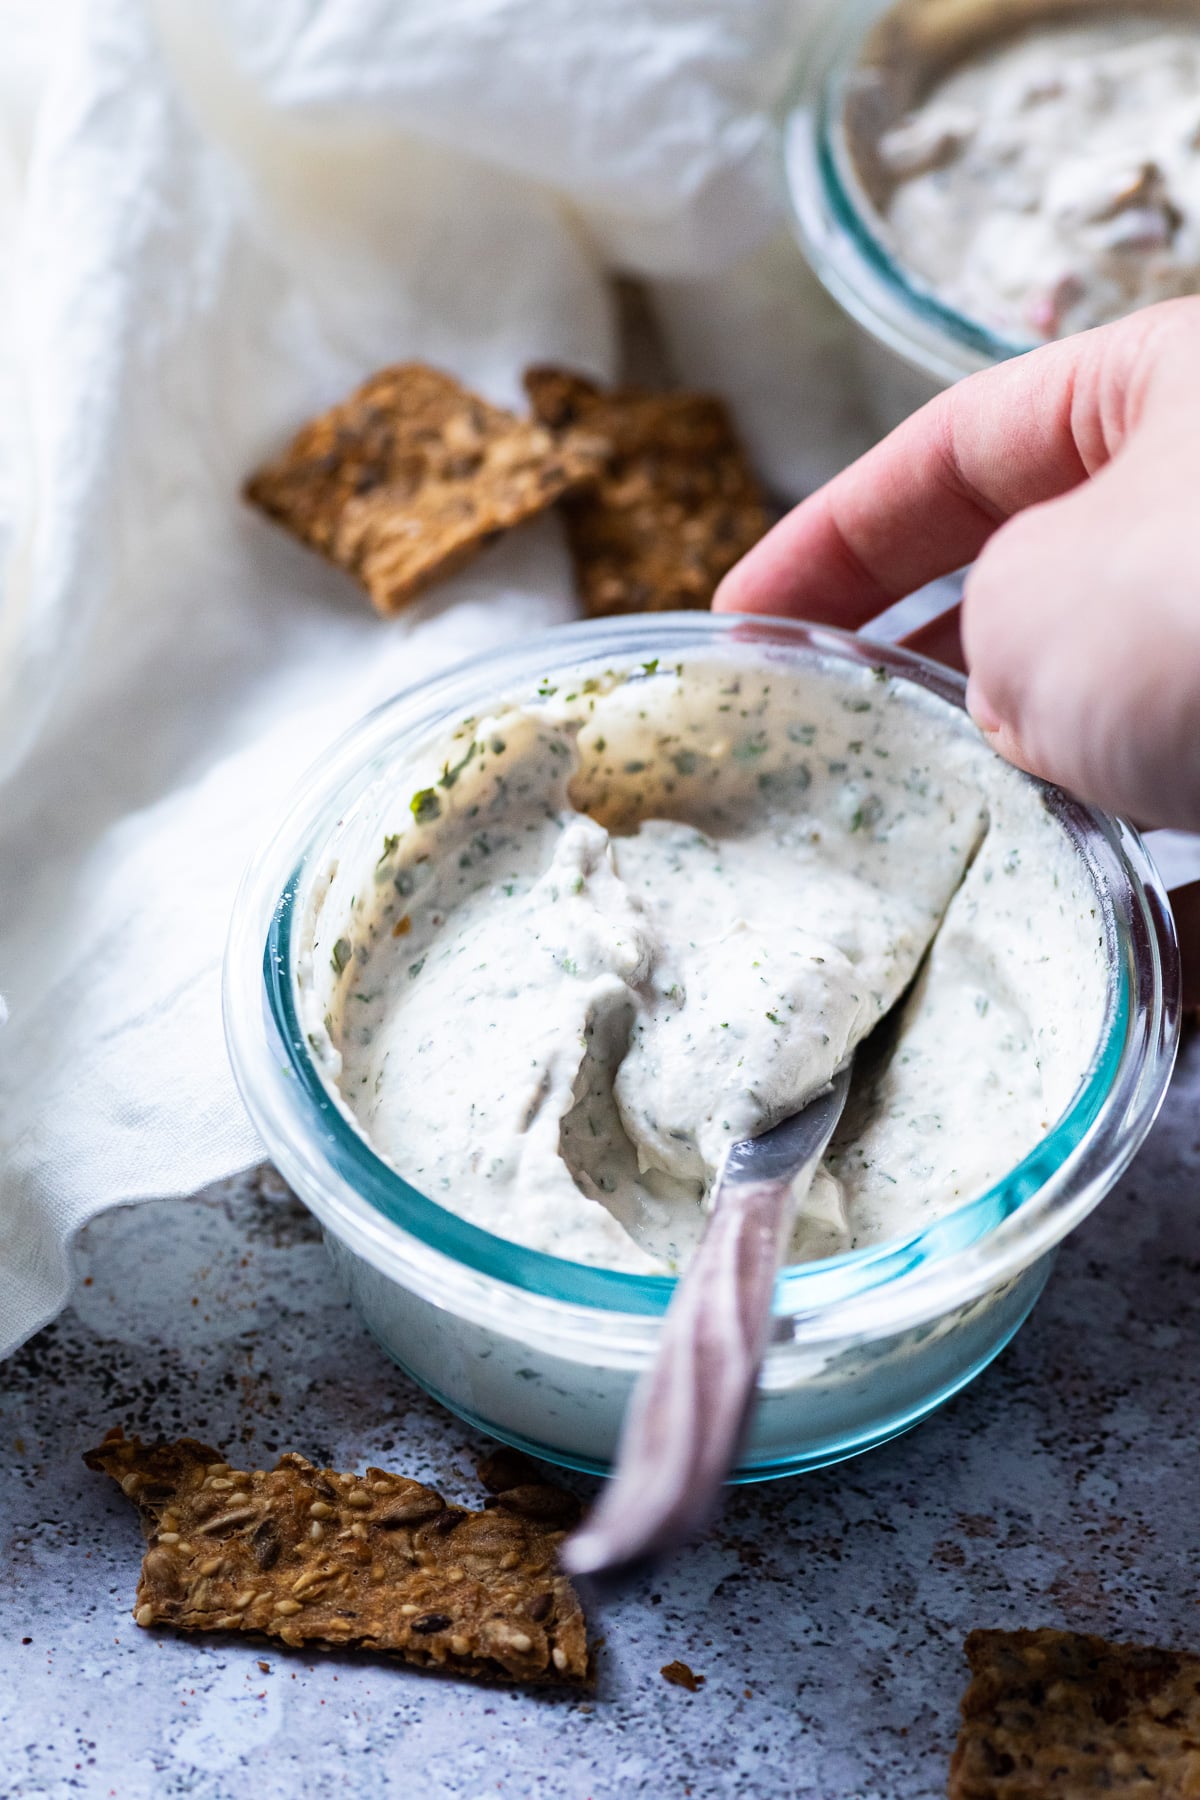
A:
(1052, 182)
(623, 922)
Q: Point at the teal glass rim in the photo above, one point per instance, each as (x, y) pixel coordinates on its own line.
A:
(846, 203)
(839, 229)
(321, 1152)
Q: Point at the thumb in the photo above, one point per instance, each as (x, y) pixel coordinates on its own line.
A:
(1081, 627)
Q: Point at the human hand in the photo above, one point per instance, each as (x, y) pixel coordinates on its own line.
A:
(1073, 475)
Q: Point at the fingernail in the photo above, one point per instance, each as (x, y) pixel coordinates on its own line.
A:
(981, 709)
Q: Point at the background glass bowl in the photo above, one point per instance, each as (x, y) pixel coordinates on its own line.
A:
(863, 65)
(543, 1352)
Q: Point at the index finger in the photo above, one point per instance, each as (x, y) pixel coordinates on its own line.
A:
(926, 499)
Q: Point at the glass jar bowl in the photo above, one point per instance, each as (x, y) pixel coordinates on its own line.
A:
(864, 64)
(543, 1352)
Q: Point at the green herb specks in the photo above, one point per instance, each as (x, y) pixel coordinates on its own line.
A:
(451, 771)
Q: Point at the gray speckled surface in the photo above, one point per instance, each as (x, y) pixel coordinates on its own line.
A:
(825, 1614)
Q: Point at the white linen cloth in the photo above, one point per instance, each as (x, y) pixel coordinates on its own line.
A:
(215, 219)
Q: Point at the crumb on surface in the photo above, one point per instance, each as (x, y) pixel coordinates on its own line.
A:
(679, 1675)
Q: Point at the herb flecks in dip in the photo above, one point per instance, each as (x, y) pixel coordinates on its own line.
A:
(639, 915)
(1052, 182)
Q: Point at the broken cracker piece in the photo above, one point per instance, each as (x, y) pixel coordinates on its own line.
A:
(1052, 1715)
(680, 1675)
(372, 1561)
(412, 475)
(676, 506)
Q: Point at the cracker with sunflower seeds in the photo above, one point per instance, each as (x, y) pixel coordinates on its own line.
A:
(675, 506)
(1054, 1715)
(373, 1561)
(412, 475)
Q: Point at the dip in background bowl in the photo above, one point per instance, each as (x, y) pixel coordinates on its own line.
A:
(542, 1351)
(850, 145)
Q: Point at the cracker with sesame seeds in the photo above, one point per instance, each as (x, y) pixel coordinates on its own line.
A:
(375, 1562)
(1054, 1715)
(409, 477)
(676, 505)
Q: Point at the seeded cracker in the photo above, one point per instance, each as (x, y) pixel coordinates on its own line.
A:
(409, 477)
(1051, 1715)
(676, 506)
(374, 1561)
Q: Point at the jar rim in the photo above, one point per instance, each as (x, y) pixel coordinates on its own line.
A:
(838, 228)
(361, 1197)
